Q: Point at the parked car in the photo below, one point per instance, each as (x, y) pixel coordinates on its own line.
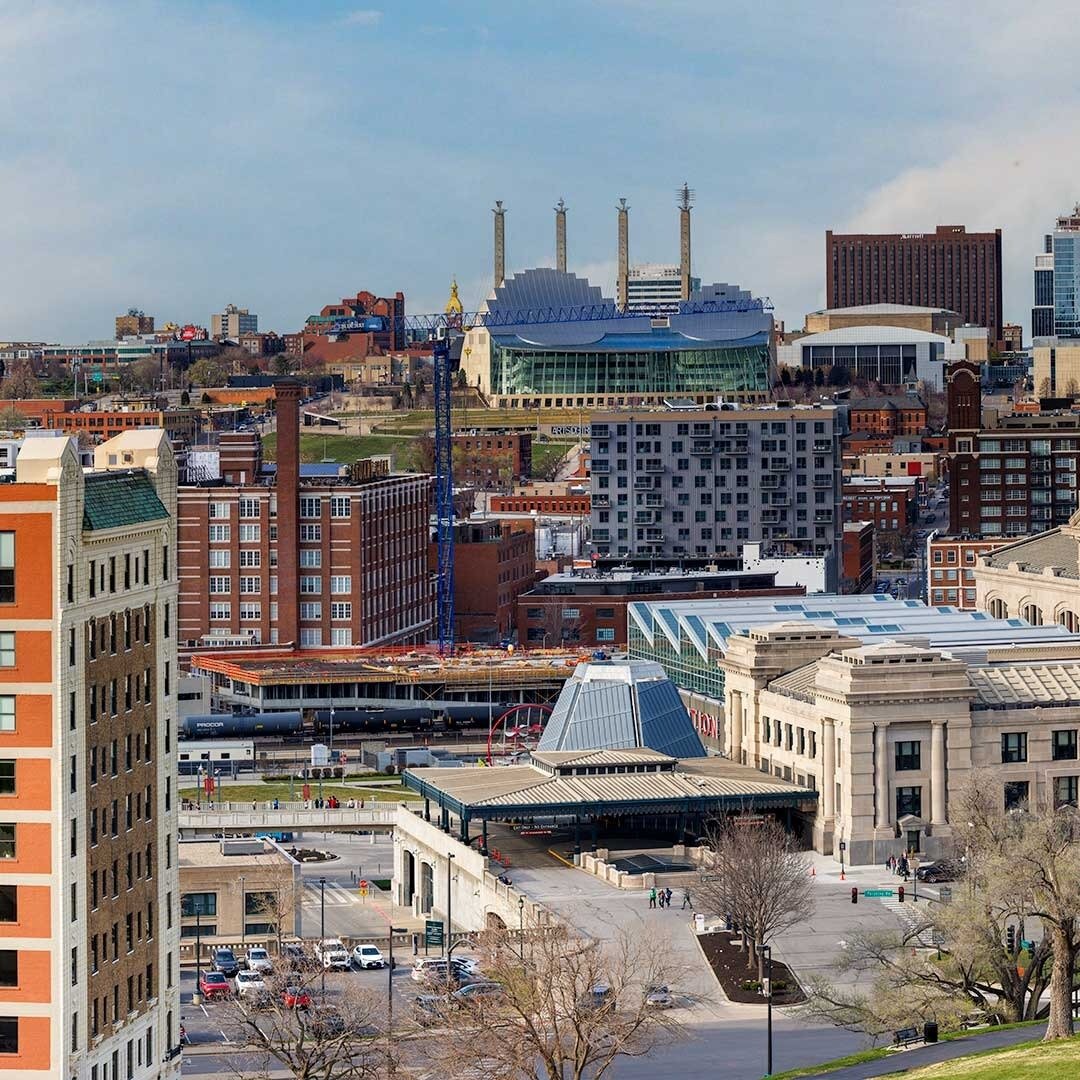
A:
(367, 956)
(258, 959)
(225, 961)
(249, 983)
(327, 1023)
(438, 970)
(296, 997)
(463, 996)
(599, 997)
(332, 954)
(213, 984)
(658, 997)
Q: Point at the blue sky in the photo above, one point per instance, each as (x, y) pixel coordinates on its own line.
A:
(281, 154)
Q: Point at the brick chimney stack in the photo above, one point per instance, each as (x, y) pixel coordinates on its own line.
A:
(287, 393)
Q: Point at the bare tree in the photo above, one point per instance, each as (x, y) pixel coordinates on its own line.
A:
(12, 420)
(20, 382)
(753, 872)
(276, 902)
(290, 1027)
(569, 1007)
(1032, 854)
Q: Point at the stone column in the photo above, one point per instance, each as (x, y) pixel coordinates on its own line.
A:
(828, 771)
(881, 777)
(736, 725)
(937, 774)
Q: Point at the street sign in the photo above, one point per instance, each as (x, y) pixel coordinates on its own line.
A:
(843, 845)
(433, 932)
(878, 892)
(344, 759)
(363, 883)
(937, 936)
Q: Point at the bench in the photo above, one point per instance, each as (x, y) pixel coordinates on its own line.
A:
(905, 1037)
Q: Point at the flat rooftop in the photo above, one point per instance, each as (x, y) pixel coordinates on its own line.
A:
(204, 854)
(359, 665)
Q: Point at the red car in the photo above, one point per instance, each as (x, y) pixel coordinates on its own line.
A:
(213, 984)
(296, 997)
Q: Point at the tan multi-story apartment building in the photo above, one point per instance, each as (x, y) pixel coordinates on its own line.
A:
(88, 879)
(951, 569)
(314, 561)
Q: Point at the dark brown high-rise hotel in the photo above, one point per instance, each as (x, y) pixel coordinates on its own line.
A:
(948, 268)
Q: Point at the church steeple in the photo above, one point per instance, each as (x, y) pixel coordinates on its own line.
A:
(453, 305)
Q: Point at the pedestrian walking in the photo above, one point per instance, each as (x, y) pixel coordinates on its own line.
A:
(667, 898)
(652, 898)
(686, 900)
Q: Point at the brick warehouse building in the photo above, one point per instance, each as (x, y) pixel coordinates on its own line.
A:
(88, 877)
(315, 561)
(948, 268)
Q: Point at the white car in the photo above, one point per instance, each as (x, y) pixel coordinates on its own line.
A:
(368, 956)
(249, 982)
(333, 954)
(258, 959)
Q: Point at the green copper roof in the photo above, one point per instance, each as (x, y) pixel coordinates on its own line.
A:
(114, 500)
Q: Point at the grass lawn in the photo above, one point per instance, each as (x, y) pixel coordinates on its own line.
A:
(262, 792)
(349, 448)
(1028, 1061)
(874, 1053)
(544, 453)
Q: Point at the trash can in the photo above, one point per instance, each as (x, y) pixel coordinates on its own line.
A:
(929, 1031)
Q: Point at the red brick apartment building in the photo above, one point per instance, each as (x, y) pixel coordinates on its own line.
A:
(588, 607)
(494, 562)
(316, 562)
(895, 414)
(857, 549)
(890, 502)
(485, 458)
(541, 503)
(950, 568)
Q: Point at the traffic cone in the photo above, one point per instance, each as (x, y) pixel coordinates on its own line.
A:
(842, 878)
(813, 871)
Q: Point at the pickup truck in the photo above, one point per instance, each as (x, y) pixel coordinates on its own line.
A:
(332, 954)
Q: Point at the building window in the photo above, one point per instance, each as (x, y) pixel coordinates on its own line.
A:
(219, 511)
(219, 585)
(250, 585)
(9, 967)
(249, 508)
(204, 903)
(310, 507)
(310, 637)
(220, 558)
(341, 611)
(311, 611)
(7, 712)
(9, 903)
(571, 613)
(310, 534)
(220, 611)
(7, 648)
(908, 755)
(310, 558)
(250, 534)
(605, 633)
(1016, 794)
(251, 558)
(1013, 747)
(7, 777)
(250, 612)
(9, 1034)
(7, 841)
(340, 636)
(7, 568)
(219, 534)
(340, 506)
(908, 801)
(341, 585)
(605, 613)
(311, 585)
(1065, 791)
(1064, 745)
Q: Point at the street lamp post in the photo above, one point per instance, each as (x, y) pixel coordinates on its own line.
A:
(322, 931)
(767, 950)
(449, 903)
(390, 997)
(521, 929)
(243, 915)
(197, 996)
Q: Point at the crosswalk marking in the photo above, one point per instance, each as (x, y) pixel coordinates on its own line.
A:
(336, 895)
(912, 915)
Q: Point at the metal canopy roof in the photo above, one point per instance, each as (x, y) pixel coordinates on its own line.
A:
(695, 786)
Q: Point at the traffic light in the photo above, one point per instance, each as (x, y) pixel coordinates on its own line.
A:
(1010, 939)
(900, 894)
(854, 895)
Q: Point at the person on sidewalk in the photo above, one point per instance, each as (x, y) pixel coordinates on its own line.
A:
(686, 900)
(652, 898)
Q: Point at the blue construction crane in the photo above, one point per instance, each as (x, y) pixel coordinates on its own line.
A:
(444, 497)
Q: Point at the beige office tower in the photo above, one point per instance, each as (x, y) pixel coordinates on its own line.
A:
(88, 865)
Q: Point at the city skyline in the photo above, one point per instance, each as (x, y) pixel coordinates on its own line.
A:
(176, 157)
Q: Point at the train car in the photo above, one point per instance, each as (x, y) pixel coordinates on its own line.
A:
(406, 718)
(239, 725)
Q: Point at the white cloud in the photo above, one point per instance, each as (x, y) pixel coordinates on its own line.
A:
(363, 17)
